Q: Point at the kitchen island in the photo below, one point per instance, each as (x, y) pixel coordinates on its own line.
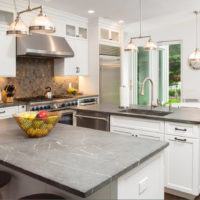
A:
(81, 163)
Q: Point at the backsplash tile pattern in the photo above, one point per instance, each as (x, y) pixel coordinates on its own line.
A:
(34, 74)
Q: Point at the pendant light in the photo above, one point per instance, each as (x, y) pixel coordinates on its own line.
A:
(150, 45)
(194, 59)
(131, 46)
(18, 28)
(41, 24)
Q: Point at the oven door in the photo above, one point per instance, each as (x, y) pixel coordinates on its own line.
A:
(67, 117)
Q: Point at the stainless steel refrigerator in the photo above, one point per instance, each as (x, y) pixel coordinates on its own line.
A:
(109, 74)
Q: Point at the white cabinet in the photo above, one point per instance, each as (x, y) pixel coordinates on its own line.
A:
(155, 126)
(110, 35)
(137, 127)
(144, 182)
(7, 112)
(76, 31)
(182, 164)
(182, 157)
(77, 65)
(8, 55)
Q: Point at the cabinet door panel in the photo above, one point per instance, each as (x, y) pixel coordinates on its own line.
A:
(82, 57)
(70, 63)
(182, 163)
(8, 55)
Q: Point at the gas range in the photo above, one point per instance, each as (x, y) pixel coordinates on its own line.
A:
(57, 103)
(42, 103)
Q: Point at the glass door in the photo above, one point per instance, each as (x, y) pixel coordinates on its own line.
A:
(143, 69)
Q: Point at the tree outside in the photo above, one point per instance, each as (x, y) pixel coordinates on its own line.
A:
(174, 73)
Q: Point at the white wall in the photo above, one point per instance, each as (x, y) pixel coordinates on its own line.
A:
(183, 30)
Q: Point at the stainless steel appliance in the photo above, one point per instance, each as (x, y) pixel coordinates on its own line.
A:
(59, 103)
(88, 101)
(41, 45)
(93, 120)
(109, 74)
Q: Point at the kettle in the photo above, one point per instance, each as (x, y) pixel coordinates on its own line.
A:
(48, 93)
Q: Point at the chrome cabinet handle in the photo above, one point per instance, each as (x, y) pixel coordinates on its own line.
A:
(2, 112)
(181, 140)
(179, 129)
(91, 117)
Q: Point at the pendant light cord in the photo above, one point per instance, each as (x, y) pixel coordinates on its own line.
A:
(197, 38)
(140, 18)
(15, 6)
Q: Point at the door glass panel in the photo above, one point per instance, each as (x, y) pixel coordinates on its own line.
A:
(105, 34)
(70, 30)
(6, 18)
(115, 36)
(143, 72)
(160, 97)
(82, 32)
(170, 73)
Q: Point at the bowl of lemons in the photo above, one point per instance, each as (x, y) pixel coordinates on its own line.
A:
(37, 124)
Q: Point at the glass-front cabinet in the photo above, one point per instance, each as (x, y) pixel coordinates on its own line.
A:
(109, 35)
(76, 31)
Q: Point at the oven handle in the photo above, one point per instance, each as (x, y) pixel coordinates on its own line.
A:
(91, 117)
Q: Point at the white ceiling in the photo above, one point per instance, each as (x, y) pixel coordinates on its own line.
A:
(127, 10)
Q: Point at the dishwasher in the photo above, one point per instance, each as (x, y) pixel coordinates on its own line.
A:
(93, 120)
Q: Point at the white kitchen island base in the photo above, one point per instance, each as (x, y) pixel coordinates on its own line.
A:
(143, 182)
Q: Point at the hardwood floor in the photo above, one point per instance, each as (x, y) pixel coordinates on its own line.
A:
(172, 197)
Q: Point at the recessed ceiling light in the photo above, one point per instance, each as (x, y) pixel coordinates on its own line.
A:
(91, 11)
(121, 21)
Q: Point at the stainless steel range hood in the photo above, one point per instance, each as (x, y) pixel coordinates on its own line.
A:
(38, 45)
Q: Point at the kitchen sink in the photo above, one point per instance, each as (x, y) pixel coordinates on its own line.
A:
(146, 112)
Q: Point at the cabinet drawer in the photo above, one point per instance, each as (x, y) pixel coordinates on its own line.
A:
(120, 130)
(7, 112)
(138, 123)
(150, 135)
(185, 130)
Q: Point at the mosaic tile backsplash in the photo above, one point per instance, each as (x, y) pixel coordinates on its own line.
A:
(33, 75)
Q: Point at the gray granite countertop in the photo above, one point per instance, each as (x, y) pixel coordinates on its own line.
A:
(181, 115)
(77, 160)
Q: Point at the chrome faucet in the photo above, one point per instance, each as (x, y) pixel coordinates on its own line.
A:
(142, 91)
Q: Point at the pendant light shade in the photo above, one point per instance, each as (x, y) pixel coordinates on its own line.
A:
(194, 59)
(42, 24)
(18, 28)
(150, 45)
(131, 46)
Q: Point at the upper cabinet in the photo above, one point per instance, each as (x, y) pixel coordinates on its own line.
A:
(109, 35)
(109, 32)
(7, 47)
(77, 65)
(76, 31)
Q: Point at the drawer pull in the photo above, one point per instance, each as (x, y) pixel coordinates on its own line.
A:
(179, 129)
(181, 140)
(2, 112)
